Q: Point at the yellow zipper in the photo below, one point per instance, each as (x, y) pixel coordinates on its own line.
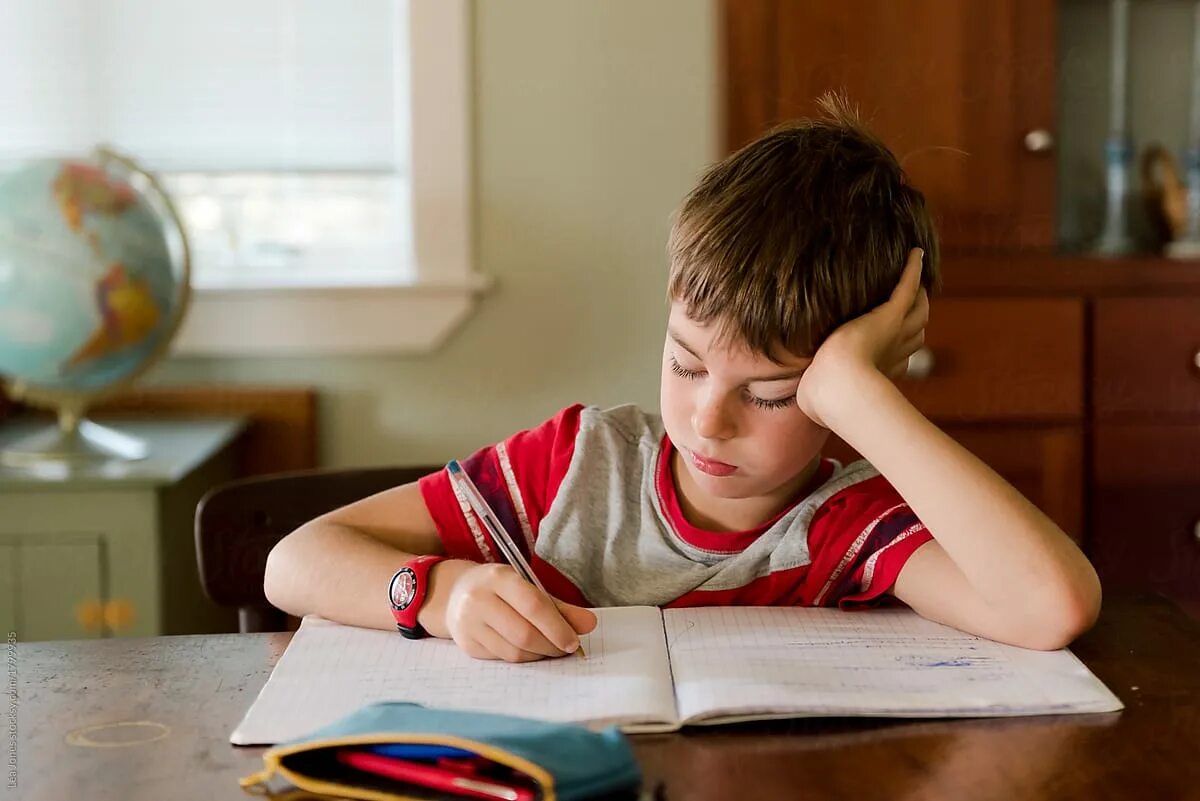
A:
(255, 783)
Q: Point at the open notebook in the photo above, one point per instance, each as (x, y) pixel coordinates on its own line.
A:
(651, 670)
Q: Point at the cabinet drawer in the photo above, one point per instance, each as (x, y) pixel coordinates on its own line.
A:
(1000, 359)
(1146, 525)
(1147, 356)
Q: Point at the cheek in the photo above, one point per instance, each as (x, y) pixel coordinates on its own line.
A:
(791, 442)
(673, 398)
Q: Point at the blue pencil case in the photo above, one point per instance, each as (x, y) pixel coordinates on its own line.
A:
(540, 760)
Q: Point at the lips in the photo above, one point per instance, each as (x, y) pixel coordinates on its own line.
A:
(711, 466)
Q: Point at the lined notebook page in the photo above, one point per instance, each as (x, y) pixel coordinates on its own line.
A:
(330, 670)
(752, 662)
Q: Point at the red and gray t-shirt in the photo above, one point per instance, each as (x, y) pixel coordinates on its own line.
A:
(588, 496)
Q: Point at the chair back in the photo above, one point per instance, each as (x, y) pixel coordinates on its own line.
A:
(238, 523)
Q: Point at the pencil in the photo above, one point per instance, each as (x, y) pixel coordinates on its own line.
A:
(504, 541)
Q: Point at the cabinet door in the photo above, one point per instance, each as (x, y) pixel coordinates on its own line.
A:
(1044, 463)
(1146, 529)
(952, 86)
(57, 577)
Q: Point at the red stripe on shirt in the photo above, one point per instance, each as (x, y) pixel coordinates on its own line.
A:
(539, 458)
(851, 526)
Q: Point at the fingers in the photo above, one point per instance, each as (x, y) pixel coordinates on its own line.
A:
(920, 306)
(580, 619)
(909, 285)
(493, 613)
(512, 638)
(917, 317)
(899, 367)
(539, 611)
(522, 633)
(912, 344)
(491, 644)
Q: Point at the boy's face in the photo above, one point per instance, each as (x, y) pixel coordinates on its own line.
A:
(743, 442)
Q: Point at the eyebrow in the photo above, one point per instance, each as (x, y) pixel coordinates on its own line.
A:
(764, 378)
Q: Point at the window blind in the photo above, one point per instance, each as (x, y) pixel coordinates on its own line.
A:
(223, 85)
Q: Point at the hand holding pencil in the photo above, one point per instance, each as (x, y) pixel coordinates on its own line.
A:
(502, 611)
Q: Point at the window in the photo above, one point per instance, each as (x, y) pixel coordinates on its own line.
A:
(318, 152)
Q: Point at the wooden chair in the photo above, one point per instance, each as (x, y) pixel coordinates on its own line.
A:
(238, 523)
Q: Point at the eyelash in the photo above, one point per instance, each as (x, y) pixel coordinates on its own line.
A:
(690, 375)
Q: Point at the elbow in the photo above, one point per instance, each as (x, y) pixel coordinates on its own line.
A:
(271, 577)
(279, 576)
(1069, 614)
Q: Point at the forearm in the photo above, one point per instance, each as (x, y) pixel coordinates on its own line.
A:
(335, 571)
(993, 534)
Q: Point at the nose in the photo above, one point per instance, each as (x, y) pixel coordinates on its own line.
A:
(711, 419)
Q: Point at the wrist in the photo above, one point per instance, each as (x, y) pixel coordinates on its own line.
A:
(442, 578)
(858, 394)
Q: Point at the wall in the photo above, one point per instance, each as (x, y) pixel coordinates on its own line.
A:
(592, 121)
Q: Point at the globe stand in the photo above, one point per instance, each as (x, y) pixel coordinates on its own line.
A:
(75, 441)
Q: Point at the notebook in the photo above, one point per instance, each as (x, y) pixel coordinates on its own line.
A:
(650, 670)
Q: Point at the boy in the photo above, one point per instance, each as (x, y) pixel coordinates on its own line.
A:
(791, 304)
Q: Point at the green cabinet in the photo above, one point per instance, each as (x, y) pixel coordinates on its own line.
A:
(108, 550)
(58, 582)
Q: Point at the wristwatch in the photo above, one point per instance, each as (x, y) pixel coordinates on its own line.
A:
(406, 594)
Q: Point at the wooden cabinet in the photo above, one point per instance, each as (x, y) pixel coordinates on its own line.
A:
(1001, 359)
(1076, 379)
(962, 91)
(1146, 526)
(1140, 425)
(1146, 471)
(1005, 378)
(1147, 357)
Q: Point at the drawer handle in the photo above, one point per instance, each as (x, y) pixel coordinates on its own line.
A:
(1196, 531)
(1039, 140)
(920, 365)
(1196, 359)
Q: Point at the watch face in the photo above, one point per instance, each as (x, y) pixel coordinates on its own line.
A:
(404, 588)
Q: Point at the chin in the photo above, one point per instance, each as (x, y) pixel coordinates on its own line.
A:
(732, 487)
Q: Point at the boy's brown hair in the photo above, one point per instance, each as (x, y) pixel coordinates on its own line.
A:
(798, 232)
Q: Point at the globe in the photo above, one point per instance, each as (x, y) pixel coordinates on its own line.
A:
(94, 272)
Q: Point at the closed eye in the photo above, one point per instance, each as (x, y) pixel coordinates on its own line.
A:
(681, 371)
(778, 403)
(759, 403)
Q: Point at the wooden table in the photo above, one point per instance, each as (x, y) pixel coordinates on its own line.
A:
(127, 719)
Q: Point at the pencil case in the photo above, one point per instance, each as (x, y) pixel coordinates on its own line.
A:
(554, 761)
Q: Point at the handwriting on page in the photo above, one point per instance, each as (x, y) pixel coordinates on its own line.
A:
(822, 661)
(330, 670)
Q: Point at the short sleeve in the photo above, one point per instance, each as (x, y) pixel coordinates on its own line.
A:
(518, 477)
(858, 541)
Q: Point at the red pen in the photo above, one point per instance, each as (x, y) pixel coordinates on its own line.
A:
(436, 778)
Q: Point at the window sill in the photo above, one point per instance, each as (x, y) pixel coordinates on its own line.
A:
(321, 320)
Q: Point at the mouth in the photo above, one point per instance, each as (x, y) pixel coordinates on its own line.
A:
(711, 466)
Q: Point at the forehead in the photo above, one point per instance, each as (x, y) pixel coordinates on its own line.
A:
(706, 340)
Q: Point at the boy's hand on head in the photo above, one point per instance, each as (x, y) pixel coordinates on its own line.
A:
(880, 340)
(493, 613)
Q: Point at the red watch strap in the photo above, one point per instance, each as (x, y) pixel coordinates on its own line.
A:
(406, 601)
